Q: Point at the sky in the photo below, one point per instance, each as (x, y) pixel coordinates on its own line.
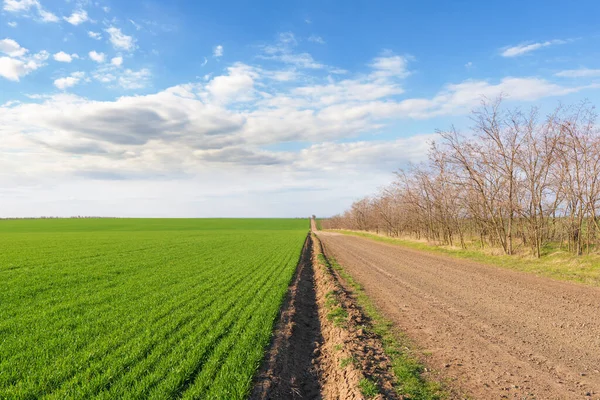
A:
(260, 109)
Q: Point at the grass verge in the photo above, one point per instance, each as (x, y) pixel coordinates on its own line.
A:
(318, 223)
(406, 367)
(555, 264)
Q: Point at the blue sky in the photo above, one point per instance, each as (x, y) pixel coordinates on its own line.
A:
(242, 108)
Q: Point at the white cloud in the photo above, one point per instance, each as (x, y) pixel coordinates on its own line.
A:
(106, 9)
(218, 51)
(24, 6)
(63, 83)
(390, 66)
(174, 134)
(469, 65)
(12, 24)
(316, 39)
(19, 5)
(285, 75)
(136, 25)
(47, 16)
(287, 38)
(13, 69)
(525, 48)
(204, 62)
(95, 35)
(459, 98)
(579, 73)
(41, 56)
(119, 40)
(175, 113)
(131, 79)
(347, 91)
(18, 63)
(77, 17)
(378, 154)
(61, 56)
(302, 60)
(115, 77)
(104, 76)
(70, 81)
(117, 61)
(12, 48)
(216, 136)
(237, 85)
(98, 57)
(283, 51)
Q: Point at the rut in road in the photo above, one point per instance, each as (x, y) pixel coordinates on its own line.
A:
(493, 332)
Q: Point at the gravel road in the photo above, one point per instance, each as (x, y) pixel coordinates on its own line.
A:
(495, 333)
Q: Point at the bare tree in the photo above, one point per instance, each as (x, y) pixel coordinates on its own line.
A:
(515, 180)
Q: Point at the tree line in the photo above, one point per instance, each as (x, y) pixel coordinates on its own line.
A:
(514, 180)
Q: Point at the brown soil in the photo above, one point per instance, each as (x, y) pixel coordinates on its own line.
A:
(311, 356)
(494, 333)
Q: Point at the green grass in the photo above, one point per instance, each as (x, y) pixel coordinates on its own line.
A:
(554, 263)
(338, 316)
(368, 388)
(407, 368)
(318, 223)
(125, 308)
(348, 361)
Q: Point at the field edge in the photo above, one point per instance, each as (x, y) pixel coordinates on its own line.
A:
(328, 342)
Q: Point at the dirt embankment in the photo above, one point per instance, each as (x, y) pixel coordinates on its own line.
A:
(289, 370)
(321, 349)
(495, 333)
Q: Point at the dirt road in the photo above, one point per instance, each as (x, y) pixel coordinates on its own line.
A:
(496, 333)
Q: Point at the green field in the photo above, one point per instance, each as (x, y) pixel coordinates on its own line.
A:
(126, 308)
